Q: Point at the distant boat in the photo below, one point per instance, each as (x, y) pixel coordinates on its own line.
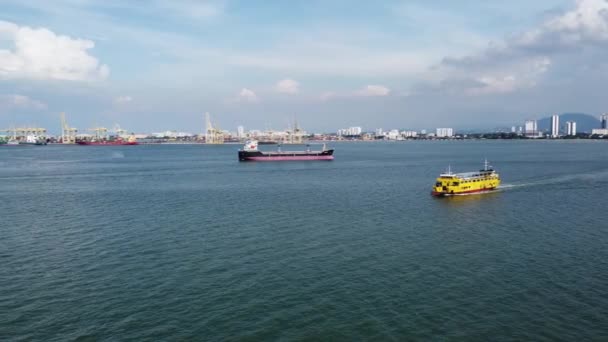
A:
(467, 183)
(10, 142)
(32, 140)
(250, 152)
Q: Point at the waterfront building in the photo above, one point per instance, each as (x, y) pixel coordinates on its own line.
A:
(570, 128)
(409, 134)
(531, 128)
(599, 131)
(240, 132)
(350, 131)
(444, 132)
(554, 126)
(604, 121)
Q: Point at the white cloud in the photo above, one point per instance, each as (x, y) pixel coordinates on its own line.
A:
(15, 101)
(521, 61)
(247, 95)
(373, 90)
(367, 91)
(288, 86)
(588, 20)
(41, 54)
(123, 99)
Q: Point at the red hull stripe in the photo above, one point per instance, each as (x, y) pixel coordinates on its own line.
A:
(107, 143)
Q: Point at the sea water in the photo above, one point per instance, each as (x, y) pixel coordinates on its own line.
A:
(182, 242)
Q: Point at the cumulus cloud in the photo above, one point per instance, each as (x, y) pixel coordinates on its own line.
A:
(247, 95)
(288, 86)
(123, 99)
(367, 91)
(16, 101)
(520, 62)
(41, 54)
(373, 90)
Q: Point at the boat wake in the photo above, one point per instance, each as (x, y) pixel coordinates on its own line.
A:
(590, 176)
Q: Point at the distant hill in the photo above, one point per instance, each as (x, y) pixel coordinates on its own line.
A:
(584, 122)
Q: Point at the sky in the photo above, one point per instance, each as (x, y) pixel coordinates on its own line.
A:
(159, 65)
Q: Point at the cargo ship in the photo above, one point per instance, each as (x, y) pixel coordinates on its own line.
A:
(467, 183)
(130, 141)
(250, 152)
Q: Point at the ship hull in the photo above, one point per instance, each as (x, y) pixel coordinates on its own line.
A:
(107, 143)
(462, 193)
(32, 143)
(285, 156)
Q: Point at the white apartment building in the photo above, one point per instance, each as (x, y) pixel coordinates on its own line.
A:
(555, 126)
(444, 132)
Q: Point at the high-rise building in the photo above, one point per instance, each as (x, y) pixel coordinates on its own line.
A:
(444, 132)
(350, 131)
(555, 126)
(570, 128)
(530, 128)
(604, 121)
(240, 132)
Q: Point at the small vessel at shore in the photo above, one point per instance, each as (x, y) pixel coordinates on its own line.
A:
(130, 141)
(250, 152)
(10, 142)
(467, 183)
(32, 140)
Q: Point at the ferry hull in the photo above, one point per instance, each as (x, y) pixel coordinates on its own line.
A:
(285, 156)
(462, 193)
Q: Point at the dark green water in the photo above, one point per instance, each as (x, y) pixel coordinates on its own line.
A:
(185, 243)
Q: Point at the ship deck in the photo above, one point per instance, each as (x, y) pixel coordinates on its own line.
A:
(470, 175)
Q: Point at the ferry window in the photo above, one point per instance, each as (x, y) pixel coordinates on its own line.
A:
(438, 184)
(455, 183)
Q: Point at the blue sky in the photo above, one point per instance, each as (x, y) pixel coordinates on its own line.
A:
(158, 65)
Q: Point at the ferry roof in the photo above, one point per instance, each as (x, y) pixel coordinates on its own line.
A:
(467, 175)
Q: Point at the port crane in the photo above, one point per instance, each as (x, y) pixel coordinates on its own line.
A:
(68, 134)
(213, 135)
(101, 133)
(295, 135)
(25, 131)
(119, 131)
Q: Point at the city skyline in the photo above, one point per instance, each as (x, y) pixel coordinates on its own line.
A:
(398, 64)
(529, 127)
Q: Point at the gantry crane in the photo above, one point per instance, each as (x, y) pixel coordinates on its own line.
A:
(213, 135)
(68, 134)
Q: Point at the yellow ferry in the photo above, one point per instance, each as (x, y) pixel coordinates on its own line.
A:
(449, 184)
